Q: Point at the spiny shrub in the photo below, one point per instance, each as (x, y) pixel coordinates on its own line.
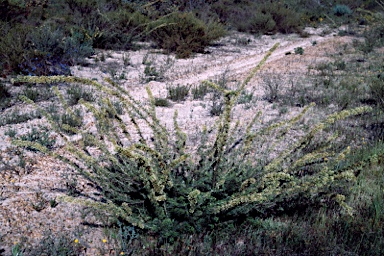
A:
(183, 33)
(160, 185)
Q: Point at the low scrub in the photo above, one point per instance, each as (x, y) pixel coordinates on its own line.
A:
(184, 34)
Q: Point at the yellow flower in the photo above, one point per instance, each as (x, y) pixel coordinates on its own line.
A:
(104, 240)
(76, 241)
(122, 253)
(320, 19)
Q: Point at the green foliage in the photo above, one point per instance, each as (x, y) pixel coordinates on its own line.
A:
(178, 92)
(4, 92)
(162, 102)
(118, 29)
(37, 93)
(184, 34)
(152, 74)
(4, 96)
(55, 244)
(75, 93)
(341, 10)
(199, 91)
(299, 50)
(42, 136)
(13, 46)
(377, 90)
(265, 17)
(16, 117)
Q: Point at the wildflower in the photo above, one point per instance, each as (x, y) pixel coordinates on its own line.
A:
(320, 19)
(104, 240)
(122, 253)
(76, 241)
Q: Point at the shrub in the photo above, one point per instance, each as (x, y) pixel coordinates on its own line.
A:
(4, 92)
(199, 91)
(262, 17)
(5, 96)
(41, 136)
(377, 90)
(118, 30)
(160, 185)
(341, 10)
(262, 23)
(183, 33)
(178, 92)
(161, 102)
(42, 51)
(13, 47)
(299, 50)
(75, 93)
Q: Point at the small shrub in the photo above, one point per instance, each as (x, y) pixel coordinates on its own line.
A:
(10, 132)
(377, 90)
(5, 96)
(245, 97)
(75, 93)
(151, 73)
(16, 117)
(299, 50)
(199, 91)
(72, 119)
(340, 65)
(55, 244)
(162, 102)
(272, 84)
(4, 92)
(262, 23)
(184, 34)
(178, 92)
(341, 10)
(41, 136)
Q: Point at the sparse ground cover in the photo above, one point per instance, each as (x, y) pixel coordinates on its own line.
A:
(104, 166)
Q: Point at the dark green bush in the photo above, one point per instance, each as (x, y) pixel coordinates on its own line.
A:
(118, 29)
(4, 92)
(341, 10)
(42, 51)
(260, 16)
(13, 47)
(162, 102)
(184, 34)
(5, 96)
